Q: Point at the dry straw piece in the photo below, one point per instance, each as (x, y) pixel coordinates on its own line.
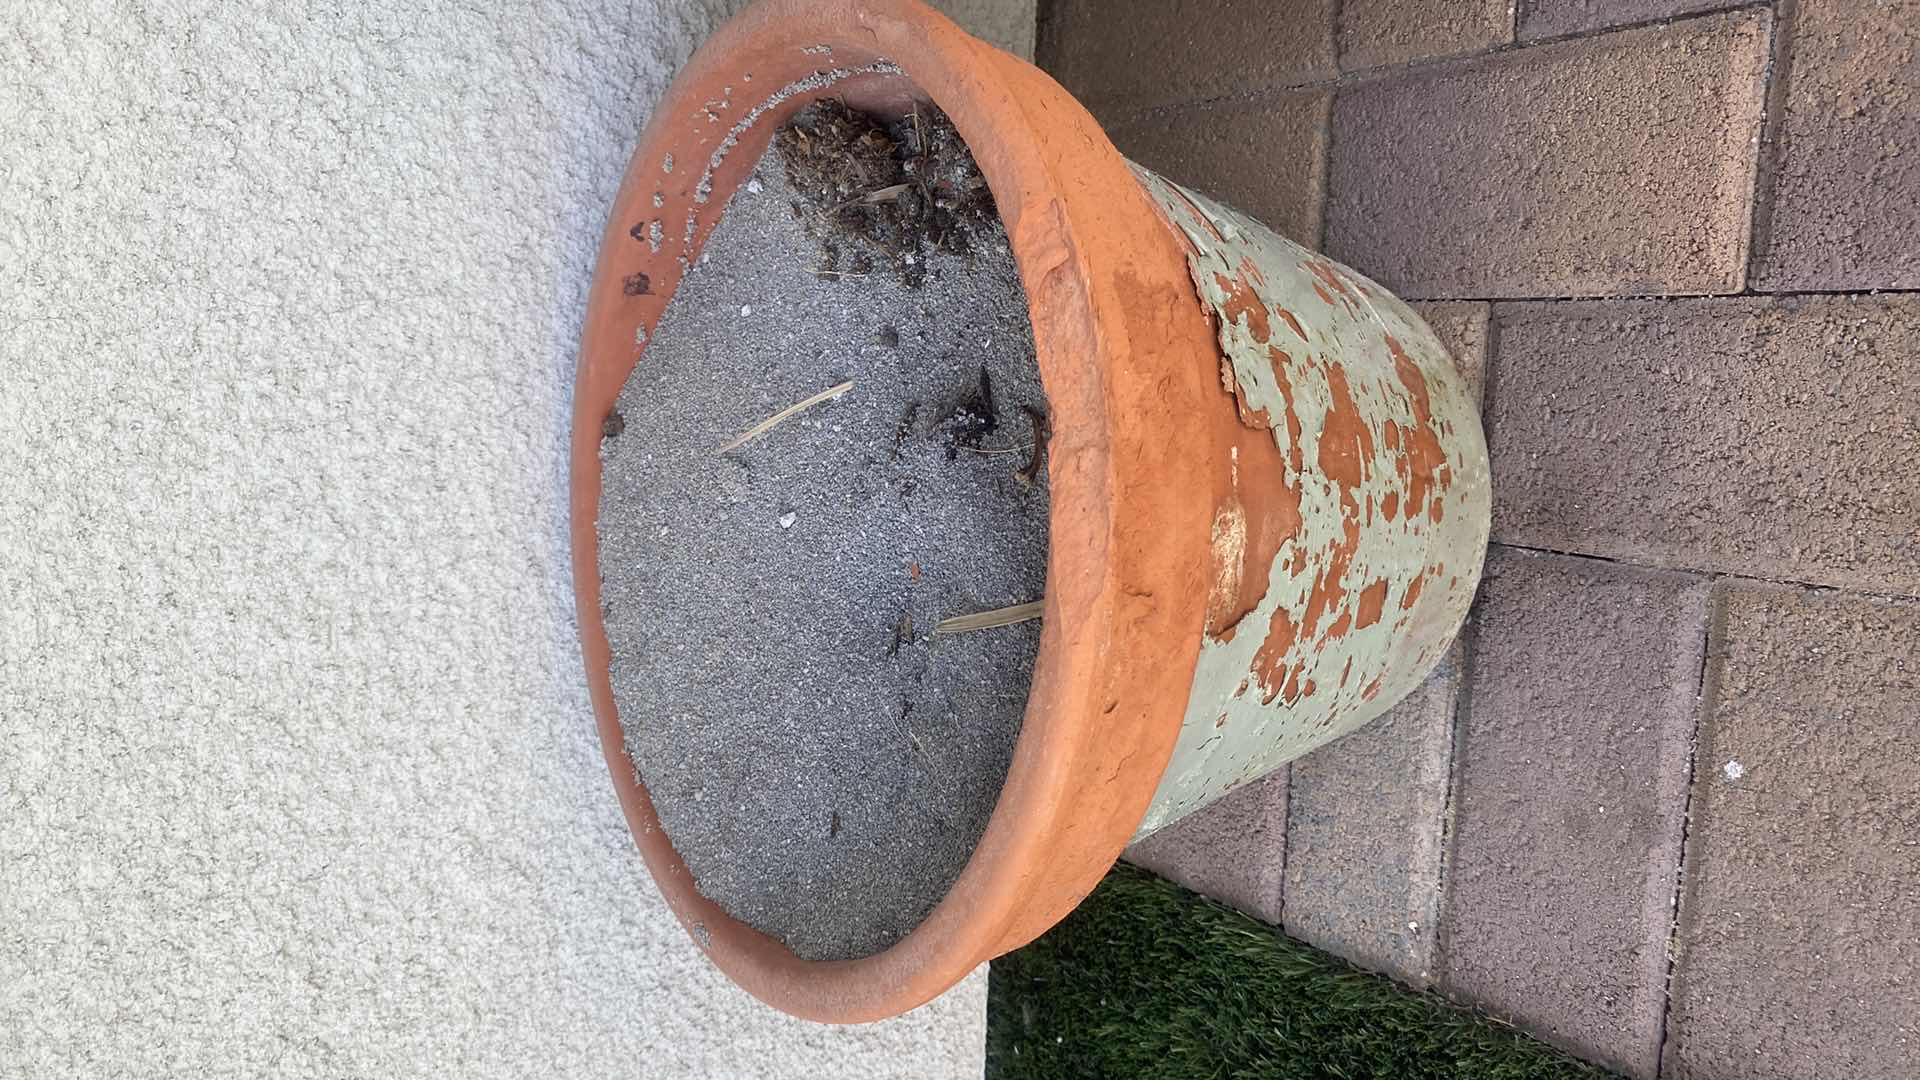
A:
(786, 414)
(990, 620)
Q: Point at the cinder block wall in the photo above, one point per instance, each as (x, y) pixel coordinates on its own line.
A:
(1659, 806)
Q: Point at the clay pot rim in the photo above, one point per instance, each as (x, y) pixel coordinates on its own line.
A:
(1056, 826)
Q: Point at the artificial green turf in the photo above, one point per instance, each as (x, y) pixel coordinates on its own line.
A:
(1148, 981)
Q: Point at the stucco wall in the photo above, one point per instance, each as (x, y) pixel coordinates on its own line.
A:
(297, 770)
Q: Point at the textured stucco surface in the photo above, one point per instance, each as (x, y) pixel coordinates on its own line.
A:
(297, 769)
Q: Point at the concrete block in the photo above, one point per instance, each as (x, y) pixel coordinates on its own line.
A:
(1844, 211)
(1366, 821)
(1553, 18)
(1267, 157)
(1772, 438)
(1378, 33)
(1007, 23)
(1797, 950)
(1613, 165)
(1571, 779)
(1120, 55)
(1462, 327)
(1234, 851)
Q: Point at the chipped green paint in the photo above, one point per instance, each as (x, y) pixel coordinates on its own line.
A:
(1374, 500)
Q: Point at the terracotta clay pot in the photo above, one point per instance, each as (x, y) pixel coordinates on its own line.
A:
(1269, 485)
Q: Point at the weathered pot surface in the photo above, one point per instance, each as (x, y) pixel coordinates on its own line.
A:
(1174, 494)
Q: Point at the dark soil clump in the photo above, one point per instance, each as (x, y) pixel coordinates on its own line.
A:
(893, 192)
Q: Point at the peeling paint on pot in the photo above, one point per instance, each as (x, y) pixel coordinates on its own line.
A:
(1350, 542)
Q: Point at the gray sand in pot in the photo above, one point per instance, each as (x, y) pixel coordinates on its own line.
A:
(825, 764)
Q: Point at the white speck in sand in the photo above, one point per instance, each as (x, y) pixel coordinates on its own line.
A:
(1734, 770)
(746, 310)
(753, 185)
(787, 519)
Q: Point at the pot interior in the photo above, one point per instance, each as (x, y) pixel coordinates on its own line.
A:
(823, 521)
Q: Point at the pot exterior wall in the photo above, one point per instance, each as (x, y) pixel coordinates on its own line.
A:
(1348, 542)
